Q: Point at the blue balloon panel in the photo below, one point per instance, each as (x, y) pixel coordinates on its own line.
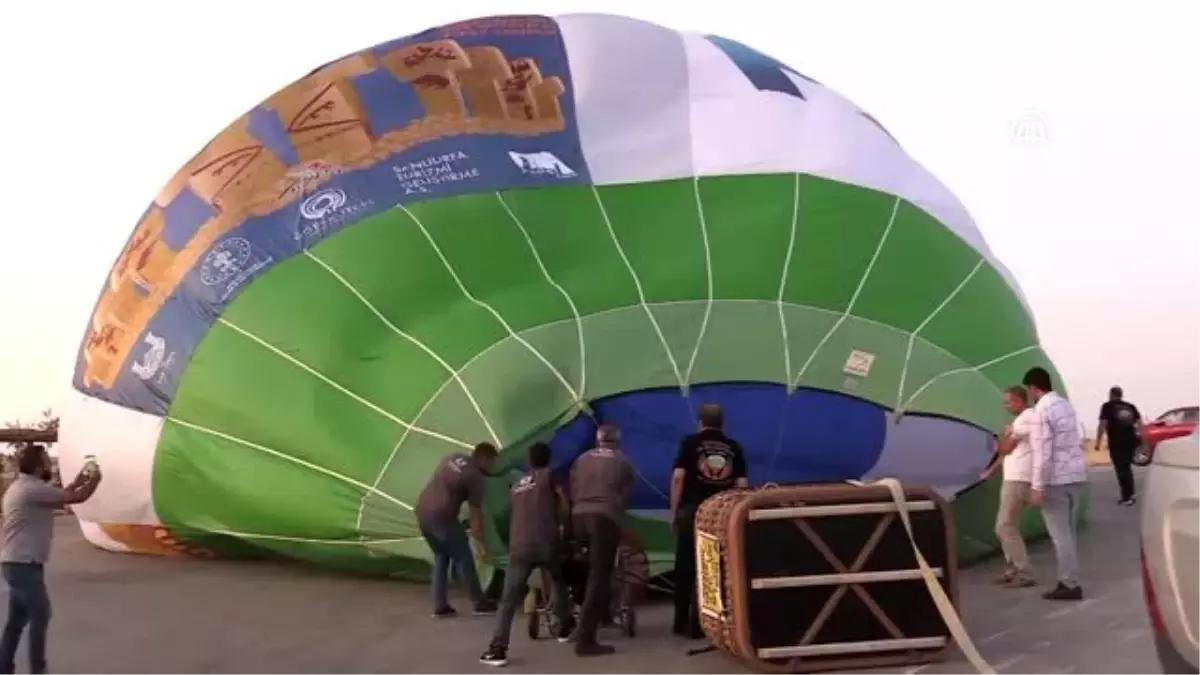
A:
(810, 436)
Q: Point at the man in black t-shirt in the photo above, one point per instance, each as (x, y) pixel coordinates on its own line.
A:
(709, 462)
(533, 541)
(1123, 423)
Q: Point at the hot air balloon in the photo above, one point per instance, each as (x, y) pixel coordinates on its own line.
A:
(513, 229)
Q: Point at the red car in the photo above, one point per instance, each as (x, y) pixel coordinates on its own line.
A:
(1171, 424)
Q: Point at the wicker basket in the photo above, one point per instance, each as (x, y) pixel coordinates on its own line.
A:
(820, 577)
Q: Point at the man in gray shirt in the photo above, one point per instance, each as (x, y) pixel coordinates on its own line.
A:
(458, 478)
(601, 480)
(27, 532)
(533, 541)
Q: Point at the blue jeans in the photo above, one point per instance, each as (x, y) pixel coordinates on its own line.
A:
(450, 547)
(28, 605)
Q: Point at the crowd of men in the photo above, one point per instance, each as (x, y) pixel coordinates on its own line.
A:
(1040, 454)
(588, 508)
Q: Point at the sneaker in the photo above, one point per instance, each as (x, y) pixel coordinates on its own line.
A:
(485, 608)
(496, 656)
(593, 649)
(446, 612)
(1004, 578)
(1127, 502)
(1064, 592)
(563, 634)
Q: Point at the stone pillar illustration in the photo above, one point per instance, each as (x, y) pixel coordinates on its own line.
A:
(528, 96)
(432, 69)
(482, 83)
(323, 114)
(235, 170)
(139, 275)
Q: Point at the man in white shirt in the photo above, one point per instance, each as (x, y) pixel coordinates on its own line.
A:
(1016, 459)
(1058, 478)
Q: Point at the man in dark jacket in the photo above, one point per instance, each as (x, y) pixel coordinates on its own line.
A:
(709, 462)
(601, 480)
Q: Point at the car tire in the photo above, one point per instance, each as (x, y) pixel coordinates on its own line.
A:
(1169, 658)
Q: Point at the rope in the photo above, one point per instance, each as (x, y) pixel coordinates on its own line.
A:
(940, 599)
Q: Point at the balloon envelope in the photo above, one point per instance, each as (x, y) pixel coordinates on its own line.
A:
(515, 228)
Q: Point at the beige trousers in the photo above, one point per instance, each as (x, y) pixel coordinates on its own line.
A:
(1014, 495)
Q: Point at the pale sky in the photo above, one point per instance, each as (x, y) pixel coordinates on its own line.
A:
(1097, 219)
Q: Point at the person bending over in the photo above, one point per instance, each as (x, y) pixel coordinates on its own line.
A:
(708, 462)
(458, 478)
(600, 483)
(27, 532)
(533, 542)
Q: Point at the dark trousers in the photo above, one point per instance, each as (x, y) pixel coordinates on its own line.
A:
(28, 605)
(450, 546)
(602, 535)
(1122, 462)
(687, 614)
(516, 586)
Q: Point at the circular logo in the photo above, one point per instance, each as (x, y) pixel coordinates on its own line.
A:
(225, 260)
(320, 204)
(1031, 128)
(715, 466)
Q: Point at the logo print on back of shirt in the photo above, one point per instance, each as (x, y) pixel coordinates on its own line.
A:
(526, 483)
(714, 465)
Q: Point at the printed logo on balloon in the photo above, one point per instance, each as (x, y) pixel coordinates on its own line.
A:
(325, 211)
(230, 263)
(155, 363)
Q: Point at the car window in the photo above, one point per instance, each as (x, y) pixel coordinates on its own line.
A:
(1181, 416)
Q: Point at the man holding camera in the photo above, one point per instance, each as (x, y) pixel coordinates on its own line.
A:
(25, 539)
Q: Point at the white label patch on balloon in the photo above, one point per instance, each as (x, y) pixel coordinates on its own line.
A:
(859, 363)
(154, 363)
(542, 163)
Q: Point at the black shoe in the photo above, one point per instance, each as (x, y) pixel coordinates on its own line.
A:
(446, 612)
(563, 634)
(1064, 592)
(593, 649)
(495, 656)
(484, 608)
